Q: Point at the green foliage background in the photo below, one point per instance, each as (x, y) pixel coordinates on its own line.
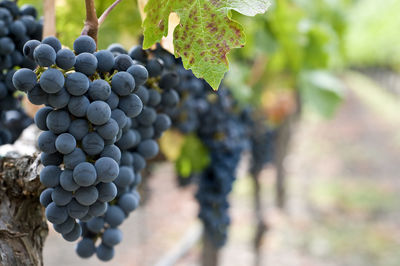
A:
(123, 25)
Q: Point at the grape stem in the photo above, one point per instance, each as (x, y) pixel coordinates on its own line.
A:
(107, 11)
(92, 23)
(91, 26)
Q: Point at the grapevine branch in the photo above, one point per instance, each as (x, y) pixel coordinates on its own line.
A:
(210, 253)
(262, 226)
(92, 23)
(91, 26)
(107, 11)
(23, 227)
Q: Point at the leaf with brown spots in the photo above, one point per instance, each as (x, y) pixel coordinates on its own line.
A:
(206, 33)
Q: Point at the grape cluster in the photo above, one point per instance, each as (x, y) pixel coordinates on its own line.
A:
(12, 123)
(223, 126)
(17, 26)
(89, 101)
(224, 134)
(214, 187)
(262, 147)
(137, 145)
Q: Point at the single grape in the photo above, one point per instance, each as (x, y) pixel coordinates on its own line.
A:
(84, 43)
(65, 227)
(147, 117)
(78, 105)
(77, 210)
(169, 80)
(86, 195)
(148, 148)
(170, 98)
(119, 116)
(98, 113)
(93, 144)
(126, 158)
(95, 225)
(123, 62)
(65, 59)
(128, 202)
(131, 105)
(154, 98)
(52, 80)
(44, 55)
(112, 237)
(37, 95)
(104, 253)
(28, 10)
(162, 123)
(86, 63)
(125, 177)
(60, 196)
(58, 121)
(139, 163)
(116, 49)
(114, 216)
(60, 99)
(143, 93)
(107, 169)
(65, 143)
(113, 100)
(123, 83)
(107, 191)
(77, 83)
(74, 158)
(98, 208)
(127, 141)
(45, 197)
(139, 73)
(46, 142)
(56, 214)
(85, 248)
(154, 67)
(50, 176)
(111, 151)
(109, 130)
(74, 234)
(99, 89)
(67, 181)
(137, 53)
(79, 128)
(105, 60)
(53, 42)
(84, 174)
(40, 117)
(24, 79)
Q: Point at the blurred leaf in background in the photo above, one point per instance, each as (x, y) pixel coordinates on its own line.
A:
(293, 38)
(193, 157)
(321, 91)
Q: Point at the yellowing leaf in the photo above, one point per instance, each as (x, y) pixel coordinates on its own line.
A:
(206, 33)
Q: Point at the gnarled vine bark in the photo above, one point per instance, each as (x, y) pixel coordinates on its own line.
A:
(23, 226)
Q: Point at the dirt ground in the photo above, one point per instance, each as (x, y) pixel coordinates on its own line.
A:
(343, 198)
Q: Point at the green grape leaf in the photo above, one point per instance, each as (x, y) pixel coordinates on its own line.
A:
(205, 33)
(321, 91)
